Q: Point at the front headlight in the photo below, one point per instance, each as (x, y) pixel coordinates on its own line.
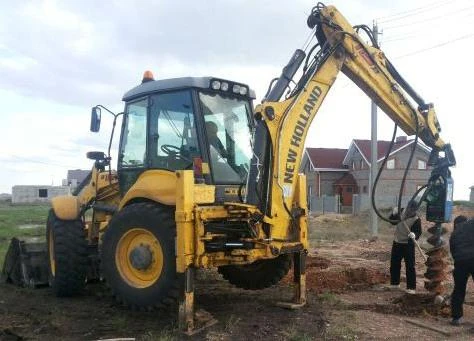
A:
(236, 88)
(243, 90)
(224, 86)
(216, 85)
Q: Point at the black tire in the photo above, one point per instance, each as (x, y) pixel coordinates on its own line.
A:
(258, 275)
(67, 255)
(159, 221)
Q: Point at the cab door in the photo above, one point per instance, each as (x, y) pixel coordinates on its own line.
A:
(132, 158)
(173, 142)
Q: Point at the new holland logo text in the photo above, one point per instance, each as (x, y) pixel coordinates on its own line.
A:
(298, 133)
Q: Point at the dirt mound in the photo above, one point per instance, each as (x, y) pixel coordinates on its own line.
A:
(420, 305)
(317, 262)
(340, 280)
(322, 277)
(407, 305)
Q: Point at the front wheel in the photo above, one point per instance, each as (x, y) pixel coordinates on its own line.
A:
(138, 256)
(67, 255)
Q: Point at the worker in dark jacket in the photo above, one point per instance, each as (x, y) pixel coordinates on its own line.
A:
(461, 244)
(403, 247)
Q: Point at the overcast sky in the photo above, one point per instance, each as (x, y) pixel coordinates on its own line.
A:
(59, 58)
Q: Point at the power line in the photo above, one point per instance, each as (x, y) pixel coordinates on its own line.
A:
(402, 37)
(416, 33)
(436, 46)
(414, 11)
(445, 15)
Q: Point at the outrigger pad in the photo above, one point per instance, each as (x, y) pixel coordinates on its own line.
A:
(26, 263)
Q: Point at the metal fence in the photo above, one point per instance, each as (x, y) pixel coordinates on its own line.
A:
(325, 204)
(361, 202)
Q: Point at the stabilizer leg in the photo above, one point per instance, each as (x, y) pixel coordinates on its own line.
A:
(299, 279)
(186, 303)
(191, 322)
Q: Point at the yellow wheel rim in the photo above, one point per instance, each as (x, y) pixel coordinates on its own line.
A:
(134, 240)
(52, 262)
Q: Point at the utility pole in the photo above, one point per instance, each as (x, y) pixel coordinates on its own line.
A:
(373, 153)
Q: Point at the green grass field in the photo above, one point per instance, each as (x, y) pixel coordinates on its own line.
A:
(20, 221)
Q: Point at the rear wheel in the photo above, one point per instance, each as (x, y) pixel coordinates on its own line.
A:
(67, 255)
(138, 256)
(258, 275)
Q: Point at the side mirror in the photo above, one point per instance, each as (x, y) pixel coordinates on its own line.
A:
(96, 156)
(95, 119)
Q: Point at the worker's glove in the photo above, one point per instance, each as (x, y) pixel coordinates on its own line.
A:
(395, 211)
(411, 235)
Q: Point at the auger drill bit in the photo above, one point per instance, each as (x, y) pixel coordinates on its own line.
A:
(436, 264)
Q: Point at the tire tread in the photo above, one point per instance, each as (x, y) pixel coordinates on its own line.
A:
(71, 257)
(268, 273)
(165, 217)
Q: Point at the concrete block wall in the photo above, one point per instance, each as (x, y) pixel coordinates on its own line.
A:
(403, 157)
(325, 204)
(31, 194)
(327, 182)
(362, 179)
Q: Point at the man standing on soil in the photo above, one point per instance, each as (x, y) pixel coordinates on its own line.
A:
(403, 247)
(461, 244)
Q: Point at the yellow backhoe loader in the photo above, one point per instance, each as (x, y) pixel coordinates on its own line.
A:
(203, 180)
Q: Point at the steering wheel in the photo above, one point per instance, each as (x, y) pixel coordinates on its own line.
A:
(169, 149)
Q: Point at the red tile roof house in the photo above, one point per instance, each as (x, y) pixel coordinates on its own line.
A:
(345, 172)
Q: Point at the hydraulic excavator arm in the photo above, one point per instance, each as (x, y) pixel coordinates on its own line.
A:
(282, 125)
(368, 67)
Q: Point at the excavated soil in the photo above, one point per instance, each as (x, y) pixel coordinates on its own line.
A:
(347, 300)
(322, 275)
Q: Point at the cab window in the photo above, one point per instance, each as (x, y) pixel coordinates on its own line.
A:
(133, 149)
(228, 132)
(173, 139)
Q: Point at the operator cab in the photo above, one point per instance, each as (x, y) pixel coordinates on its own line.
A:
(199, 123)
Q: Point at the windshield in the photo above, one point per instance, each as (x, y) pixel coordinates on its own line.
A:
(228, 132)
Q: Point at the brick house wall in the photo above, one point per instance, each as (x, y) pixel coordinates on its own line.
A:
(359, 169)
(321, 181)
(357, 165)
(390, 180)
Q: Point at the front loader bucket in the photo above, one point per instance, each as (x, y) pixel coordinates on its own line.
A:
(26, 263)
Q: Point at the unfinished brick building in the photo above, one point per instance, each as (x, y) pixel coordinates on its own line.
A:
(345, 172)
